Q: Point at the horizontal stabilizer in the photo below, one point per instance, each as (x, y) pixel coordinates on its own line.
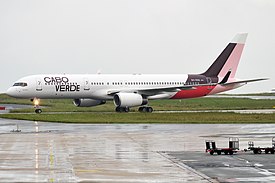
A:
(244, 81)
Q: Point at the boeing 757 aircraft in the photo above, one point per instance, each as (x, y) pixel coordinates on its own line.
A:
(128, 90)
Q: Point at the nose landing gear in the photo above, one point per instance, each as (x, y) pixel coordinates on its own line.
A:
(36, 102)
(38, 111)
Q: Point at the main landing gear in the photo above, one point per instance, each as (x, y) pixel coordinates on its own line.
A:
(145, 109)
(122, 109)
(36, 102)
(140, 109)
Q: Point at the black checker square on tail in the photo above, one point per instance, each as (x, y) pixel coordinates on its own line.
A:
(217, 66)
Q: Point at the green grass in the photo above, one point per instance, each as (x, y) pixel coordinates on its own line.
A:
(64, 105)
(105, 114)
(4, 99)
(112, 117)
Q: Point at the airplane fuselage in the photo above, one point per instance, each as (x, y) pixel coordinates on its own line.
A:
(101, 86)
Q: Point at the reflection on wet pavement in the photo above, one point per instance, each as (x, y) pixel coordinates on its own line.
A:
(52, 152)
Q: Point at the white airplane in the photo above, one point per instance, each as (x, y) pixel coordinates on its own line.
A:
(128, 90)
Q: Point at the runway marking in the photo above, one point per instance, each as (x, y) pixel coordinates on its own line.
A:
(191, 160)
(51, 160)
(86, 170)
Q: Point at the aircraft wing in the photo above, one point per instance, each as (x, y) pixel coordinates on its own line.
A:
(159, 90)
(243, 81)
(154, 91)
(165, 89)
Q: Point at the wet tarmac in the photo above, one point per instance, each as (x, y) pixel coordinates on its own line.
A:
(53, 152)
(241, 167)
(8, 107)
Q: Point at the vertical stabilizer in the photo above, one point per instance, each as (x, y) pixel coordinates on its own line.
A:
(229, 59)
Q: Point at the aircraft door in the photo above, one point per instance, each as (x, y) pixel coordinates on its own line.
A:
(38, 84)
(86, 84)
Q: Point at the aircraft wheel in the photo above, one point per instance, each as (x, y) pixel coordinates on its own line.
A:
(140, 109)
(145, 109)
(38, 111)
(122, 109)
(126, 109)
(149, 109)
(118, 109)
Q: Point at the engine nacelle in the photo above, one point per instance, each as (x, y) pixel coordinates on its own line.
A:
(129, 100)
(87, 102)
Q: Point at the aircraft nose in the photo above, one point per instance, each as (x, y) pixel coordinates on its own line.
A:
(12, 92)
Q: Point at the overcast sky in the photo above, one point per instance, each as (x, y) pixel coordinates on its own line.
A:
(135, 36)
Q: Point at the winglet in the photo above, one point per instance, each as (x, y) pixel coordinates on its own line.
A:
(240, 38)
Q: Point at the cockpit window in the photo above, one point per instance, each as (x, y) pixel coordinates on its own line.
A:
(20, 84)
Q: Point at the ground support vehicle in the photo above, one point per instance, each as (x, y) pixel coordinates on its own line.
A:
(211, 147)
(259, 150)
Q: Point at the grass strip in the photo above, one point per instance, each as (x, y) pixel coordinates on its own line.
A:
(110, 117)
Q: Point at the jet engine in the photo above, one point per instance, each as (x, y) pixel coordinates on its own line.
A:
(88, 102)
(129, 100)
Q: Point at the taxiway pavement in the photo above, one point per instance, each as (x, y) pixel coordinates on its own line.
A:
(55, 152)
